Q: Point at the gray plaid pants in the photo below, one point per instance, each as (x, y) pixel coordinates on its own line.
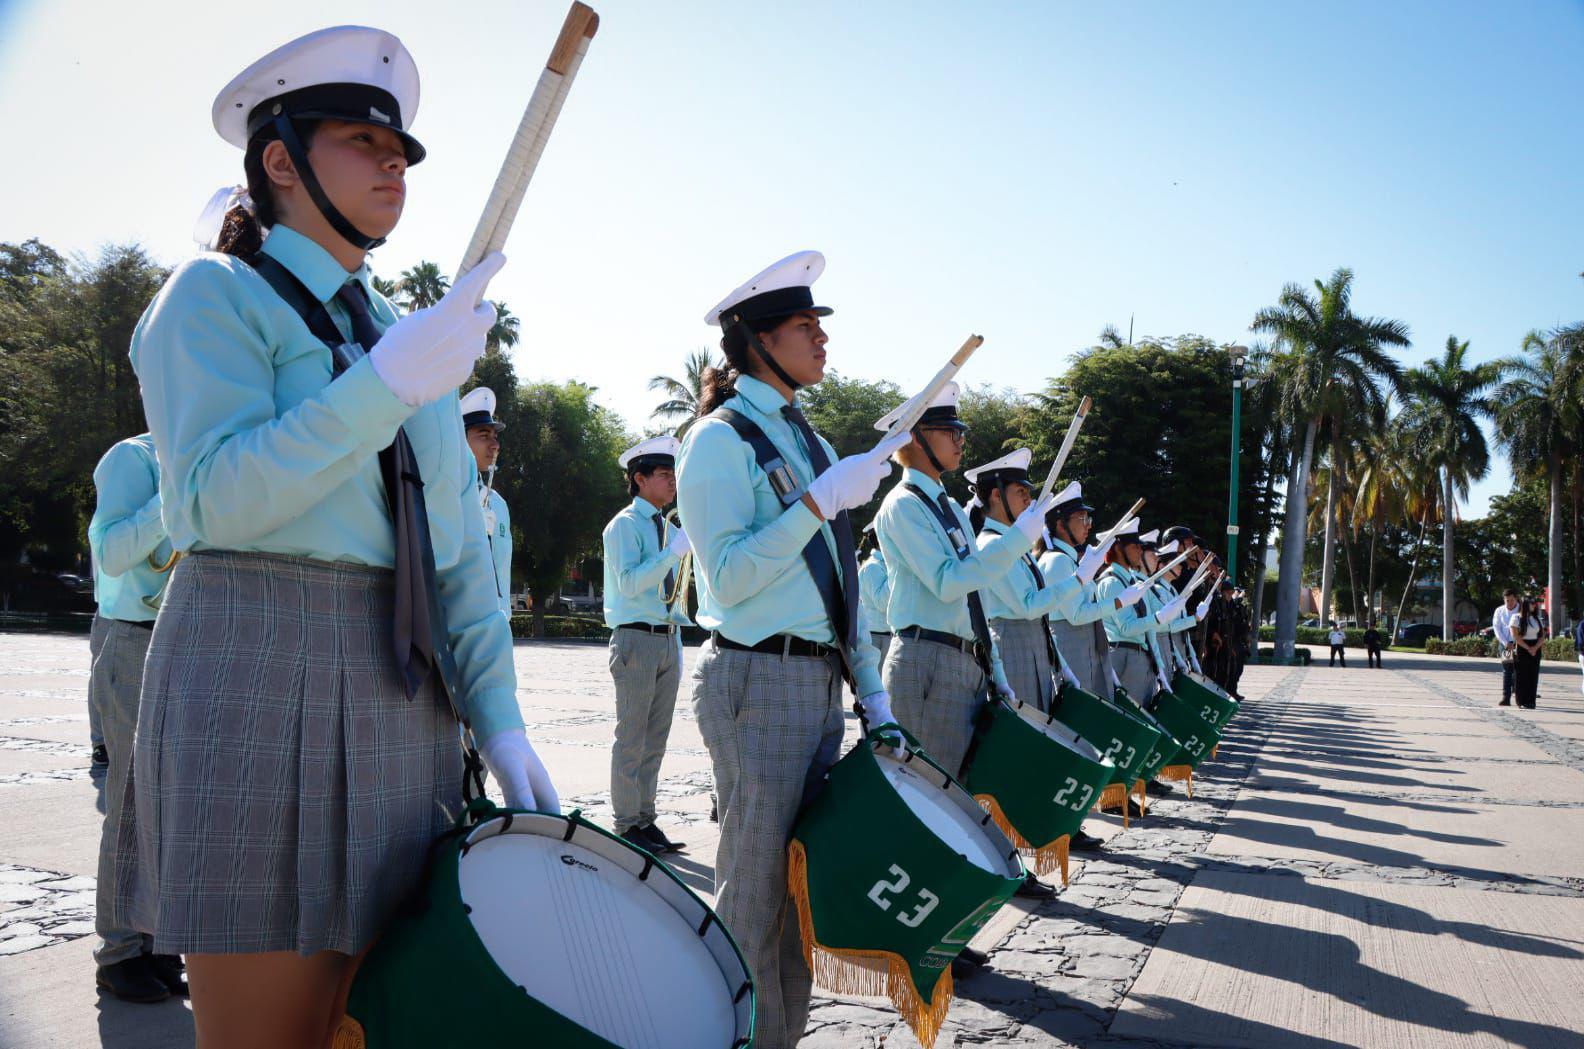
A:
(1025, 656)
(773, 726)
(936, 693)
(647, 669)
(114, 685)
(1086, 652)
(1135, 672)
(96, 634)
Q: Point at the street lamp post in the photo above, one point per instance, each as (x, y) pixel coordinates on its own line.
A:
(1239, 354)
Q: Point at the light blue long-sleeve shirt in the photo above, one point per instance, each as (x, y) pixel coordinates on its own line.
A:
(747, 546)
(260, 451)
(929, 583)
(1129, 624)
(1019, 594)
(874, 588)
(498, 533)
(126, 529)
(636, 564)
(1075, 607)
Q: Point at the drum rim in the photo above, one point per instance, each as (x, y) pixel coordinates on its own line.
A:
(965, 801)
(497, 821)
(1043, 720)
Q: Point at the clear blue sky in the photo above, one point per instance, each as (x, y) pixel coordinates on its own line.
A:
(1027, 171)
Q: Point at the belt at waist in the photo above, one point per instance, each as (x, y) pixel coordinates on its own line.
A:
(1134, 645)
(777, 645)
(141, 624)
(940, 637)
(649, 628)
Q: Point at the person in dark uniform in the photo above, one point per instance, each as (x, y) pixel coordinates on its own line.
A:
(1242, 639)
(1372, 645)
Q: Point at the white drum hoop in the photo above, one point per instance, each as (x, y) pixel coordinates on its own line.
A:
(949, 812)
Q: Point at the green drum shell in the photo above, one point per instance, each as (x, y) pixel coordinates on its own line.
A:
(1183, 720)
(1220, 708)
(874, 868)
(430, 983)
(1118, 736)
(1167, 748)
(1043, 786)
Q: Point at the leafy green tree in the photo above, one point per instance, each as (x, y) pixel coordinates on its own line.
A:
(1446, 398)
(683, 395)
(506, 330)
(1331, 362)
(386, 287)
(995, 427)
(422, 286)
(844, 411)
(1539, 420)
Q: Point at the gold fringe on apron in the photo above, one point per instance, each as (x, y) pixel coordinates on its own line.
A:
(1046, 858)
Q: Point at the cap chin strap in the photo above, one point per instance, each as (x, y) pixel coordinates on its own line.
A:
(764, 355)
(918, 435)
(299, 157)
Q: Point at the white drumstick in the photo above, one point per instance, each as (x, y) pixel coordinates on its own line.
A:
(918, 404)
(1124, 519)
(1179, 559)
(1066, 448)
(505, 198)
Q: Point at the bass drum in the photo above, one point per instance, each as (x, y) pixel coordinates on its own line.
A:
(547, 930)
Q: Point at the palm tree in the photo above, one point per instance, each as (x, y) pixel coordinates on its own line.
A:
(1421, 502)
(682, 395)
(506, 330)
(1331, 363)
(422, 286)
(385, 287)
(1446, 398)
(1383, 490)
(1538, 421)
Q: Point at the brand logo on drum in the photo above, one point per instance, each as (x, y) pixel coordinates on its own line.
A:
(573, 861)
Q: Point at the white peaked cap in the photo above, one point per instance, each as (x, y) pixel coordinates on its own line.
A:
(1066, 495)
(665, 445)
(1167, 548)
(1153, 535)
(338, 55)
(947, 398)
(478, 399)
(778, 290)
(1017, 459)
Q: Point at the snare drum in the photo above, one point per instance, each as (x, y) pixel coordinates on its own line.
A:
(548, 930)
(1037, 777)
(1125, 740)
(893, 868)
(1214, 705)
(1167, 747)
(1192, 729)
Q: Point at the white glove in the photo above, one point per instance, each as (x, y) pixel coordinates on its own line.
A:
(1161, 677)
(1050, 544)
(680, 544)
(1093, 558)
(1130, 595)
(1069, 677)
(851, 482)
(1172, 610)
(1031, 522)
(520, 773)
(1203, 608)
(431, 351)
(1004, 686)
(876, 707)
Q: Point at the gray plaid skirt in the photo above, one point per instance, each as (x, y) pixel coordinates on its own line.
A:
(1025, 656)
(286, 789)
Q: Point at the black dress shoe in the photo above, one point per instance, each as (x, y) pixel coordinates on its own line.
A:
(1134, 812)
(1505, 703)
(1034, 889)
(661, 842)
(968, 963)
(101, 758)
(635, 836)
(1081, 842)
(169, 970)
(133, 980)
(1156, 789)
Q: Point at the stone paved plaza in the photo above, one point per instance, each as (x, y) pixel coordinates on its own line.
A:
(1375, 858)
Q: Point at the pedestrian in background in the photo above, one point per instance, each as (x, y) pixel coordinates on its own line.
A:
(1372, 645)
(1501, 626)
(1338, 639)
(1528, 635)
(1578, 647)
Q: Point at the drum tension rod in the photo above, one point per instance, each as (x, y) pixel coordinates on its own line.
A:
(709, 916)
(648, 866)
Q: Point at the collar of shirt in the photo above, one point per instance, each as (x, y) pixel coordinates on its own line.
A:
(994, 527)
(320, 273)
(764, 397)
(1065, 549)
(643, 507)
(929, 485)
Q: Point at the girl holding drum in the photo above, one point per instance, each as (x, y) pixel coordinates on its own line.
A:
(296, 754)
(764, 500)
(1128, 623)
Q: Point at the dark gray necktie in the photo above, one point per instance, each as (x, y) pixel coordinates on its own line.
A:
(841, 529)
(670, 580)
(422, 646)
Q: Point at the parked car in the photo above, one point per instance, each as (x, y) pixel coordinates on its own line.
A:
(1417, 633)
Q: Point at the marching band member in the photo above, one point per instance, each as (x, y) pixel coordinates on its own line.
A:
(1165, 607)
(1128, 625)
(1018, 604)
(874, 589)
(643, 556)
(764, 499)
(1078, 624)
(483, 432)
(128, 543)
(943, 658)
(296, 752)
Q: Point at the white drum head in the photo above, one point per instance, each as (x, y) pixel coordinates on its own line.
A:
(584, 936)
(1057, 732)
(960, 827)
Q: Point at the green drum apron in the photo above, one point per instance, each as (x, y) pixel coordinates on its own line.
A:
(1037, 777)
(1127, 741)
(547, 930)
(1206, 697)
(1192, 730)
(893, 868)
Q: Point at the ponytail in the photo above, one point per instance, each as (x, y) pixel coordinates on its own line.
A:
(718, 385)
(242, 232)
